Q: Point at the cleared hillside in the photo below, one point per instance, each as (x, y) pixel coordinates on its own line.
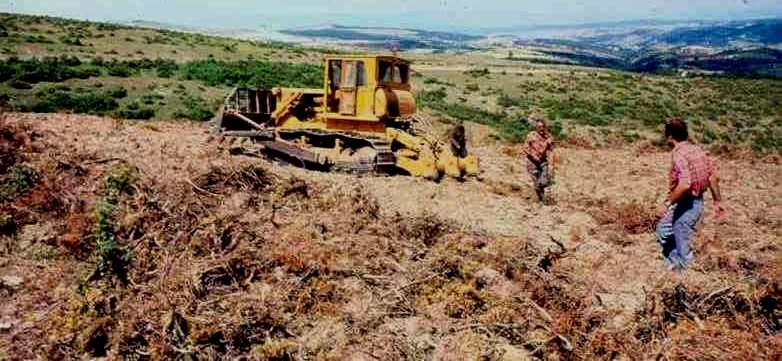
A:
(149, 240)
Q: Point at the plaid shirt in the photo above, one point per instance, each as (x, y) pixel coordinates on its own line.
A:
(691, 164)
(537, 145)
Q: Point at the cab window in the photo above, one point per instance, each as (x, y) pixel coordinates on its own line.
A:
(335, 73)
(389, 72)
(349, 74)
(384, 71)
(361, 74)
(400, 73)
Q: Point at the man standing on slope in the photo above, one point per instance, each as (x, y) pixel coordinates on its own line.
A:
(538, 145)
(692, 172)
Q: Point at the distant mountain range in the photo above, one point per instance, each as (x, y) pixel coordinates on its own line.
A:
(751, 48)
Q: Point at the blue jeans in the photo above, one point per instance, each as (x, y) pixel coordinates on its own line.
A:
(676, 230)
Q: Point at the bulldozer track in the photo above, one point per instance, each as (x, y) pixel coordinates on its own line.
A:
(383, 162)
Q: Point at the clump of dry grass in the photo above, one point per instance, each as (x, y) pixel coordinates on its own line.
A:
(14, 141)
(632, 217)
(695, 321)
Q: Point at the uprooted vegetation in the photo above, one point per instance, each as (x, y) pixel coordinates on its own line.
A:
(241, 259)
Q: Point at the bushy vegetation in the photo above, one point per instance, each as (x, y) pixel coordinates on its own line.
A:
(112, 258)
(117, 92)
(63, 99)
(24, 74)
(195, 108)
(512, 127)
(211, 72)
(437, 82)
(133, 110)
(477, 73)
(167, 68)
(46, 70)
(722, 111)
(18, 180)
(253, 73)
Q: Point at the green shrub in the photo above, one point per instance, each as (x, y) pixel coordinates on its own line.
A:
(768, 140)
(92, 103)
(37, 39)
(6, 71)
(107, 27)
(73, 41)
(556, 130)
(70, 60)
(113, 259)
(52, 100)
(508, 101)
(426, 97)
(19, 84)
(476, 73)
(117, 92)
(708, 136)
(255, 73)
(167, 68)
(120, 180)
(4, 99)
(195, 108)
(135, 111)
(46, 70)
(18, 180)
(151, 98)
(437, 81)
(119, 69)
(509, 127)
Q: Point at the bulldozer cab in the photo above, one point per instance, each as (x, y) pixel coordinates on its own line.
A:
(352, 82)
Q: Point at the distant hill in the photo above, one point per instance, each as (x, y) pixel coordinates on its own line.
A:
(380, 37)
(767, 32)
(750, 47)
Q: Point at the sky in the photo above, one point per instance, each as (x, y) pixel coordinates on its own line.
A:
(450, 15)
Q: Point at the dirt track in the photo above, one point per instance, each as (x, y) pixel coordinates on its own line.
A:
(594, 189)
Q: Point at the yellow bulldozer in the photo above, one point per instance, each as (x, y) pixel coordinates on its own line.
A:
(363, 120)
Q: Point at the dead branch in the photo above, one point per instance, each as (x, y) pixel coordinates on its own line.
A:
(104, 160)
(200, 189)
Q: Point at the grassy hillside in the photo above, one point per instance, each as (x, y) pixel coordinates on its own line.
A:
(36, 36)
(140, 73)
(50, 64)
(607, 106)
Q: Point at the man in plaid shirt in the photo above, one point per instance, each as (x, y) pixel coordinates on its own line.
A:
(538, 145)
(692, 173)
